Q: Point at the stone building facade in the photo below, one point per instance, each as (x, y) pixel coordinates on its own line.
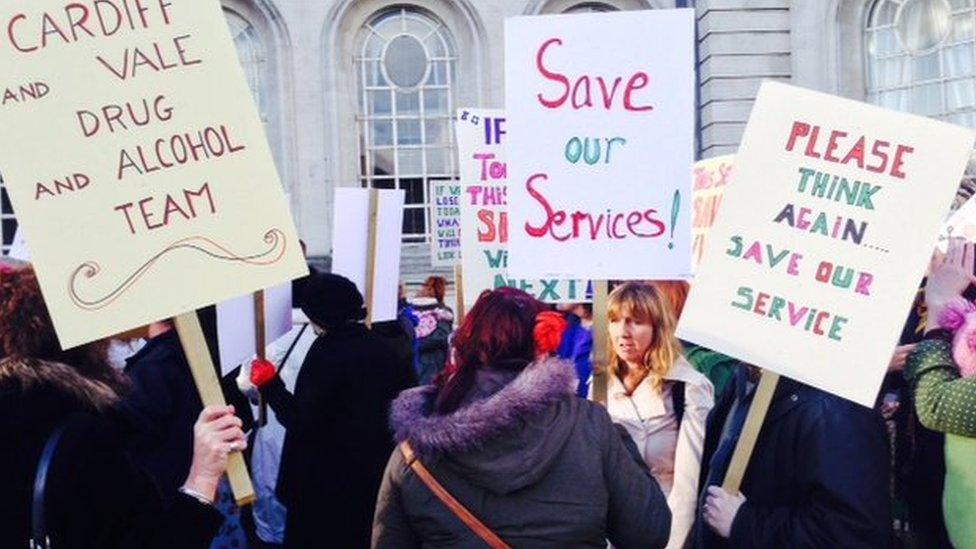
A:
(361, 92)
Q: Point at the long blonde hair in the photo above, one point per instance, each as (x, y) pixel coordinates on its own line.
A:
(646, 304)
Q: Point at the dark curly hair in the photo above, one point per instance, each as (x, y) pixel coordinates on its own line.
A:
(26, 331)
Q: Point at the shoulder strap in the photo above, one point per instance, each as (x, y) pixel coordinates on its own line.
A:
(600, 388)
(292, 347)
(678, 400)
(454, 505)
(39, 534)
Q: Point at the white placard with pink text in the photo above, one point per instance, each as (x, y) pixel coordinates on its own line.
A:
(823, 236)
(601, 135)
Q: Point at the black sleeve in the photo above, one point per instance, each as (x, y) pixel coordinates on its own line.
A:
(281, 401)
(149, 403)
(844, 464)
(104, 498)
(237, 399)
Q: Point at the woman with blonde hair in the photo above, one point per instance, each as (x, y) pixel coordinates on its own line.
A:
(654, 393)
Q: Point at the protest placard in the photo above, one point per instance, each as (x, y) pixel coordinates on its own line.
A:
(824, 234)
(961, 224)
(359, 260)
(481, 138)
(709, 178)
(600, 138)
(137, 163)
(236, 334)
(18, 247)
(445, 216)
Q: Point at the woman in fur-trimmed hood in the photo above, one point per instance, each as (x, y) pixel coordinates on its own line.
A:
(506, 435)
(94, 496)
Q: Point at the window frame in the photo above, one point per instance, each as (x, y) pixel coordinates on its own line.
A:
(369, 148)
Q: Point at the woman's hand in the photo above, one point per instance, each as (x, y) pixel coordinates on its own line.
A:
(897, 363)
(951, 274)
(720, 510)
(216, 434)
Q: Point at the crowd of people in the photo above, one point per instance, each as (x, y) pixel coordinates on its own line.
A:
(492, 429)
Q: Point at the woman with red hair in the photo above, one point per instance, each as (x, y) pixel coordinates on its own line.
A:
(63, 445)
(505, 443)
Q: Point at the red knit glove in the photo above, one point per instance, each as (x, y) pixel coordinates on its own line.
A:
(262, 372)
(548, 332)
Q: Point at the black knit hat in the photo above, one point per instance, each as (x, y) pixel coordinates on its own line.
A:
(330, 300)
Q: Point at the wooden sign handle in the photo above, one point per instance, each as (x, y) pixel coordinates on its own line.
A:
(260, 349)
(205, 378)
(374, 198)
(601, 292)
(750, 431)
(459, 293)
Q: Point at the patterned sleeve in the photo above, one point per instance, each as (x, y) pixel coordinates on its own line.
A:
(944, 401)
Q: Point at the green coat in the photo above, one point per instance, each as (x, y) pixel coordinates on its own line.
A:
(946, 402)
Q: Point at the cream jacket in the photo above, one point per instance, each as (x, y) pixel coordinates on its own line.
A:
(672, 453)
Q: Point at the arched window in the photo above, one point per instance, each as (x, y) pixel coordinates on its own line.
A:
(591, 7)
(253, 55)
(406, 62)
(8, 224)
(920, 57)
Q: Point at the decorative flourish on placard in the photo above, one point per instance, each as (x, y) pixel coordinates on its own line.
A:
(274, 238)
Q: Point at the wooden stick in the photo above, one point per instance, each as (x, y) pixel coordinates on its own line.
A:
(750, 431)
(601, 291)
(260, 348)
(205, 378)
(374, 196)
(459, 292)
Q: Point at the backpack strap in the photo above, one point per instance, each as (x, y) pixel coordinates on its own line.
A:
(600, 388)
(40, 539)
(292, 347)
(453, 504)
(678, 400)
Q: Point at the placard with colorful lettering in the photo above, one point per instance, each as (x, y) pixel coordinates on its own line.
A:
(961, 224)
(710, 177)
(481, 137)
(445, 215)
(136, 161)
(18, 247)
(601, 113)
(824, 234)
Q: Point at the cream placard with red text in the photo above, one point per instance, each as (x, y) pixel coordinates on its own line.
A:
(136, 162)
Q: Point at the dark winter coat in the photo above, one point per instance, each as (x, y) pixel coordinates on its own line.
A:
(536, 464)
(96, 497)
(818, 476)
(435, 323)
(163, 405)
(337, 437)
